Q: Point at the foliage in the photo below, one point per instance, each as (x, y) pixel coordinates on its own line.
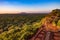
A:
(58, 23)
(22, 27)
(19, 27)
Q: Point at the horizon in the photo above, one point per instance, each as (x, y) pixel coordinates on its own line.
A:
(28, 13)
(31, 6)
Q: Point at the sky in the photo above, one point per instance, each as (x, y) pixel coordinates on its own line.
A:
(17, 6)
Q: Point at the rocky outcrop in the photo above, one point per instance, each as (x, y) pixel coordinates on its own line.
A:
(49, 29)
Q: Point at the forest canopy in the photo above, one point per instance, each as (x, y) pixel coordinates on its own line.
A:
(23, 27)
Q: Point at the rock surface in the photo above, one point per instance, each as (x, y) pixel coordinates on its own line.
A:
(49, 30)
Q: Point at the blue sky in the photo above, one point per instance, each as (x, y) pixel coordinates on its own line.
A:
(15, 6)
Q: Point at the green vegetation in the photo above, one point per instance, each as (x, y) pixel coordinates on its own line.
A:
(53, 21)
(22, 27)
(19, 27)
